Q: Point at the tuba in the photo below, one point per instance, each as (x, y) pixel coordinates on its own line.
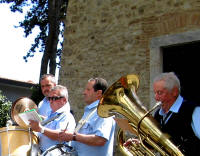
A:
(121, 99)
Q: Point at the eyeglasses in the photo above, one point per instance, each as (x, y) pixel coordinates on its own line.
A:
(54, 98)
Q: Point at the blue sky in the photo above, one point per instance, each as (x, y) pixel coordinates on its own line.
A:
(13, 47)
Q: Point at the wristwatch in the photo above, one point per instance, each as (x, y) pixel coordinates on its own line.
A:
(74, 136)
(42, 130)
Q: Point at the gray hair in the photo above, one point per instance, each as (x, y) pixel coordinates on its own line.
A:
(50, 76)
(63, 90)
(170, 79)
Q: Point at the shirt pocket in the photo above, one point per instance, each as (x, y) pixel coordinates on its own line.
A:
(87, 129)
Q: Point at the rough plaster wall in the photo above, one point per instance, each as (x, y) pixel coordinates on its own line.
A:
(111, 38)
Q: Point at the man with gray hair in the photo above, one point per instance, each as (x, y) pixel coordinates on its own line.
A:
(178, 117)
(58, 119)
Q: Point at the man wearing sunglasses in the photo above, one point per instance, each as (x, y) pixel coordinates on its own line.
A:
(93, 135)
(58, 119)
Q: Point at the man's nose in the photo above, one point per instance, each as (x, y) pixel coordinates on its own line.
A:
(156, 96)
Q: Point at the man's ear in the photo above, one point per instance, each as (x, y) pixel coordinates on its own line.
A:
(65, 99)
(175, 91)
(99, 92)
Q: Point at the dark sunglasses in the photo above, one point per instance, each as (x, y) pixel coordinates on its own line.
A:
(54, 98)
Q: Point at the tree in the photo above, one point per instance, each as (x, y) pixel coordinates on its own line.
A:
(5, 107)
(48, 16)
(37, 94)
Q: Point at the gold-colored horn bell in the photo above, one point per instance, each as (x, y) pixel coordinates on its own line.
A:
(120, 98)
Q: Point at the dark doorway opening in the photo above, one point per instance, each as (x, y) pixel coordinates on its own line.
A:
(183, 60)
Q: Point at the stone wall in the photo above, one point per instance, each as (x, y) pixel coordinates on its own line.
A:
(111, 38)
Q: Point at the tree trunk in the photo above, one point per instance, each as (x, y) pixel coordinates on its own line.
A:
(49, 57)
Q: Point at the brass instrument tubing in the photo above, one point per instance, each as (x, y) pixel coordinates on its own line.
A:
(139, 123)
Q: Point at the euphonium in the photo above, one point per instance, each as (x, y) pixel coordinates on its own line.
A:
(121, 99)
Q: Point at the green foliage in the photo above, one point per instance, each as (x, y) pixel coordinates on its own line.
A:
(36, 95)
(5, 107)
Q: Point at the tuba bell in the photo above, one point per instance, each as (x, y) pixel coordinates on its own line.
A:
(121, 99)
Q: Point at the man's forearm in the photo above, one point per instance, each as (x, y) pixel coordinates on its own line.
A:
(91, 140)
(52, 134)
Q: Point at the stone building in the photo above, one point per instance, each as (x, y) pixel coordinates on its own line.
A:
(112, 38)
